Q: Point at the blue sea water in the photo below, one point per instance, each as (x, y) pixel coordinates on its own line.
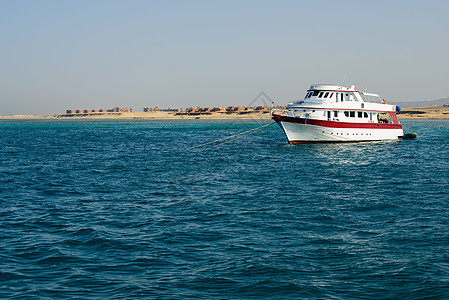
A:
(120, 209)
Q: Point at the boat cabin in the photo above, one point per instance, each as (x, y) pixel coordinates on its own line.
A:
(342, 104)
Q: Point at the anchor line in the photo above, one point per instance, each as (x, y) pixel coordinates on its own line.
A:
(238, 135)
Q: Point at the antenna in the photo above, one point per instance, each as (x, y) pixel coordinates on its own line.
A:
(344, 79)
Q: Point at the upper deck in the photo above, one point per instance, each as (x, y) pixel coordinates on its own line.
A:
(331, 94)
(338, 97)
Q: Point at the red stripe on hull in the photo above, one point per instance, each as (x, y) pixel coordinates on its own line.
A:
(335, 124)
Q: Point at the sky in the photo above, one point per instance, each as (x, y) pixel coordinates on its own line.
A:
(92, 54)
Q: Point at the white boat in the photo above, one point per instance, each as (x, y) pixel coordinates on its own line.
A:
(333, 113)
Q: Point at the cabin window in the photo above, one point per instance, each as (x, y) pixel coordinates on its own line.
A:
(346, 113)
(330, 96)
(335, 113)
(327, 94)
(320, 95)
(315, 93)
(341, 97)
(310, 95)
(352, 114)
(360, 114)
(328, 114)
(365, 115)
(384, 118)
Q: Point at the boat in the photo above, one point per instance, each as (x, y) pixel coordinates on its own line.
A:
(333, 113)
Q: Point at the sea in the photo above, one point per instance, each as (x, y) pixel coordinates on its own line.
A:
(215, 209)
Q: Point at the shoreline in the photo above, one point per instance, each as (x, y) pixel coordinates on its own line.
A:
(439, 112)
(423, 112)
(145, 116)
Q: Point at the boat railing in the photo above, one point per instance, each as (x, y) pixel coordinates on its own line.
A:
(278, 111)
(289, 113)
(298, 114)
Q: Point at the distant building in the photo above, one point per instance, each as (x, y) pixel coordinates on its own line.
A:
(92, 111)
(204, 109)
(170, 109)
(153, 109)
(118, 109)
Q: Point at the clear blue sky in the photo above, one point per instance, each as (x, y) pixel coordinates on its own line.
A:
(58, 55)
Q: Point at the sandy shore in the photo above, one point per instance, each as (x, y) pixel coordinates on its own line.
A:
(147, 115)
(426, 112)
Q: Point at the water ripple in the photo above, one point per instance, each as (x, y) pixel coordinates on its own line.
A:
(119, 209)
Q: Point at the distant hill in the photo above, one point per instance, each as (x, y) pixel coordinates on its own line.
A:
(444, 101)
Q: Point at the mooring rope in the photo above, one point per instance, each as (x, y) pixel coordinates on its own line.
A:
(239, 135)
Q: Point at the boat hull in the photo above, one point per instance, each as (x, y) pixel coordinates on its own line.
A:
(303, 130)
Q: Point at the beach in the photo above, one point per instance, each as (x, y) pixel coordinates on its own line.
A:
(424, 112)
(147, 115)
